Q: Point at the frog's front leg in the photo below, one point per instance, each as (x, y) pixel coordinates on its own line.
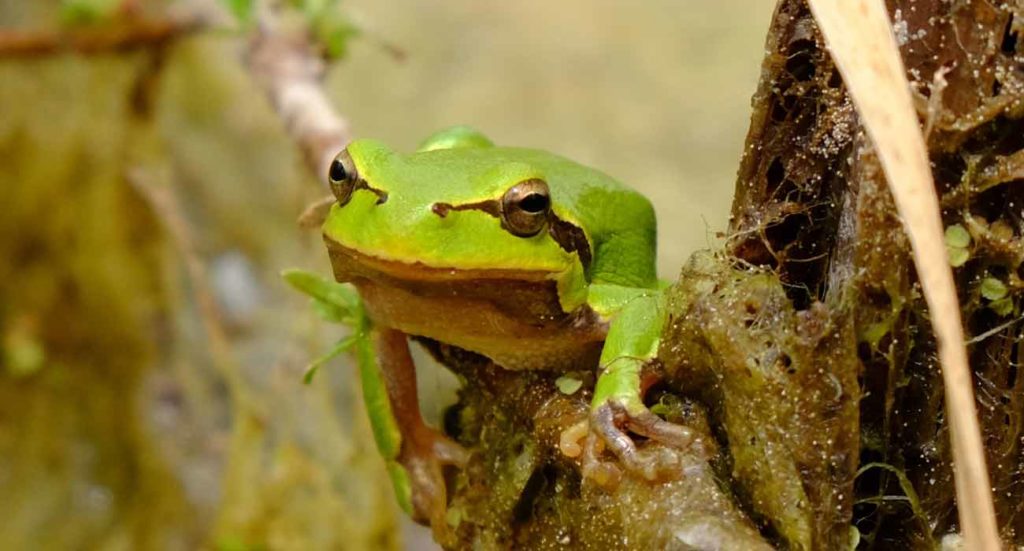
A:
(618, 408)
(415, 452)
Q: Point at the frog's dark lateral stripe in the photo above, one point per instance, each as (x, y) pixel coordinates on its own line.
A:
(382, 196)
(490, 206)
(569, 236)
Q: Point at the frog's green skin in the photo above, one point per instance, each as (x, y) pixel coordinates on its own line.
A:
(435, 251)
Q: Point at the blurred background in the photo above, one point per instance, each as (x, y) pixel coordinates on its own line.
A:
(151, 359)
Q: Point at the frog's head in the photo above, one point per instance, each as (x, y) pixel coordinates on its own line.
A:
(456, 210)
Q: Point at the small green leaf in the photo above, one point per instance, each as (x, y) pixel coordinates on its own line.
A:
(873, 333)
(568, 385)
(1001, 230)
(993, 289)
(241, 9)
(334, 32)
(667, 405)
(660, 409)
(1003, 306)
(23, 354)
(453, 517)
(321, 288)
(958, 256)
(331, 313)
(235, 543)
(88, 11)
(342, 346)
(957, 236)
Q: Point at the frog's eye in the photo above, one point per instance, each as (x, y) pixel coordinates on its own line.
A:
(525, 207)
(343, 177)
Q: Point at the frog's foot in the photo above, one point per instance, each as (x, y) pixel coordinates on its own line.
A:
(424, 460)
(609, 424)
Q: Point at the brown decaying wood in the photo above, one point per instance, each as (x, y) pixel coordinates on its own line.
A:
(861, 42)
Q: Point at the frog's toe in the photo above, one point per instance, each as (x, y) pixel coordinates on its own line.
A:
(425, 461)
(448, 452)
(609, 423)
(650, 425)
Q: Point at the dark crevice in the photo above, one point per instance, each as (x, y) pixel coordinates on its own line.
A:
(782, 105)
(755, 252)
(990, 203)
(774, 176)
(523, 510)
(781, 234)
(800, 62)
(1009, 43)
(835, 80)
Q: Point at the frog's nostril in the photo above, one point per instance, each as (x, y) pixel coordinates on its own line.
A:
(441, 209)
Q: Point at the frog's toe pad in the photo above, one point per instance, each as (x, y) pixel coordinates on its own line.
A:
(425, 461)
(448, 452)
(608, 425)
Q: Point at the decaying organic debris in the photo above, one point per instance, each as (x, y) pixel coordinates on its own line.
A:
(812, 206)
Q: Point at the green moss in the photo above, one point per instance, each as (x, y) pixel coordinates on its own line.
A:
(782, 384)
(521, 491)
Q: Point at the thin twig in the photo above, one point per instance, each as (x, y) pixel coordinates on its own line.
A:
(994, 331)
(290, 72)
(162, 200)
(859, 35)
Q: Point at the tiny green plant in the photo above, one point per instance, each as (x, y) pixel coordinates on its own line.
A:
(76, 12)
(333, 302)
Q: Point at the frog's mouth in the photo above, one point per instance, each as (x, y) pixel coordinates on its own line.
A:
(533, 293)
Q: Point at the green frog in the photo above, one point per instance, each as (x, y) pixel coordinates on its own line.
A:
(520, 255)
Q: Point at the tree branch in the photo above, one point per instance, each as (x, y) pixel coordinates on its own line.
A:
(129, 35)
(289, 71)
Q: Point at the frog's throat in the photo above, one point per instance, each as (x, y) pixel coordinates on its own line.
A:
(514, 317)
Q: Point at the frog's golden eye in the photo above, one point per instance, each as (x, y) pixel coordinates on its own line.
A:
(525, 207)
(343, 177)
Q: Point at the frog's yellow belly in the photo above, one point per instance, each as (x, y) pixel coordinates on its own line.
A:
(513, 318)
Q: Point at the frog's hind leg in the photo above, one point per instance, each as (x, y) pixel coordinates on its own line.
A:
(423, 451)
